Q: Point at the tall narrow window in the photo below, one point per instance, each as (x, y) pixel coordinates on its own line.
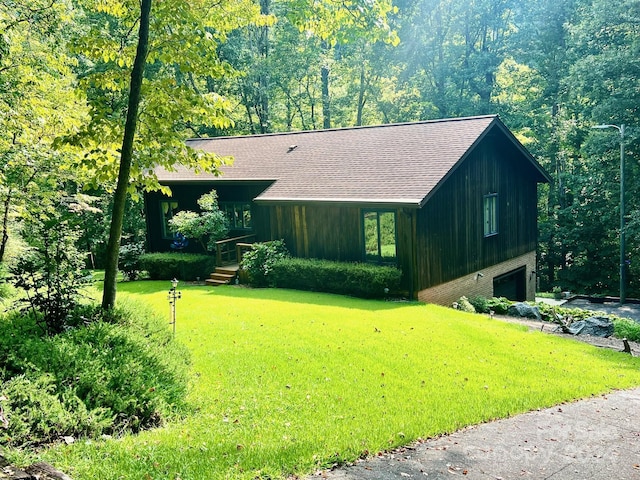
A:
(167, 210)
(379, 236)
(490, 214)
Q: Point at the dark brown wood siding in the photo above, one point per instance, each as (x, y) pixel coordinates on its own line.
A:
(335, 233)
(450, 239)
(316, 231)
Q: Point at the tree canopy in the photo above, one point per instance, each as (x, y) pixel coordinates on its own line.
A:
(551, 69)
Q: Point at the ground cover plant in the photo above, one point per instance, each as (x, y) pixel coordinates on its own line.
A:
(109, 373)
(287, 382)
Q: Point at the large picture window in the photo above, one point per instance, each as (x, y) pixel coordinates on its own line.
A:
(239, 215)
(490, 214)
(167, 210)
(380, 236)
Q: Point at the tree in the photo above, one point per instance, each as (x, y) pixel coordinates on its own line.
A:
(207, 227)
(37, 104)
(602, 87)
(126, 158)
(139, 117)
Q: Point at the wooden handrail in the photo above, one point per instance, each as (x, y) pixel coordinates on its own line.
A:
(241, 248)
(220, 244)
(235, 239)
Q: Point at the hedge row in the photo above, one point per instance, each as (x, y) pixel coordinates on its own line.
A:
(356, 279)
(183, 266)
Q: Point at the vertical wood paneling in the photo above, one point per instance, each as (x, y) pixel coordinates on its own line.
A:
(316, 231)
(450, 235)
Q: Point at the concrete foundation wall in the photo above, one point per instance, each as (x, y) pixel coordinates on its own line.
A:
(475, 285)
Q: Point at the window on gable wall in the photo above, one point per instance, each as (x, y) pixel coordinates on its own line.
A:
(490, 214)
(167, 210)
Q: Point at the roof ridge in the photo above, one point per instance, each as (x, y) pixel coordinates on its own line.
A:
(343, 129)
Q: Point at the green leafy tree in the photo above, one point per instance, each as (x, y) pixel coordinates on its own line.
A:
(145, 92)
(207, 226)
(38, 103)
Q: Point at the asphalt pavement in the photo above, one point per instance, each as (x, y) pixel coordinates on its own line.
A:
(597, 438)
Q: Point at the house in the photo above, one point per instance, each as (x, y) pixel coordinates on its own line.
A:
(452, 203)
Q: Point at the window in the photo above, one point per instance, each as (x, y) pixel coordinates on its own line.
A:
(167, 210)
(490, 214)
(238, 214)
(379, 236)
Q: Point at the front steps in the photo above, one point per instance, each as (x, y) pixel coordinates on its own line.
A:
(222, 276)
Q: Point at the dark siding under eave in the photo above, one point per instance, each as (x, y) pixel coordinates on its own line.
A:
(187, 195)
(313, 231)
(450, 234)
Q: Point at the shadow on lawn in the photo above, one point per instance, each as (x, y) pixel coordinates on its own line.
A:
(308, 298)
(145, 287)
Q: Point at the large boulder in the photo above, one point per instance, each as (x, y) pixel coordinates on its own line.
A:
(596, 326)
(523, 310)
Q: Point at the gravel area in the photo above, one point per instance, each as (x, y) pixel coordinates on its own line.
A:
(553, 329)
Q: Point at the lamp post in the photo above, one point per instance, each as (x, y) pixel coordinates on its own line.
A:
(623, 294)
(173, 297)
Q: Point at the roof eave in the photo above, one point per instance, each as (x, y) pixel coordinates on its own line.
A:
(496, 122)
(352, 202)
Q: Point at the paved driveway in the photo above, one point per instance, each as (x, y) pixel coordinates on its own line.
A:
(628, 310)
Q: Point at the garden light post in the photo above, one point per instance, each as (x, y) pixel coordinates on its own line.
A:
(623, 294)
(173, 298)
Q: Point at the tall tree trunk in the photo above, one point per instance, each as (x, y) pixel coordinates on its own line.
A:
(4, 237)
(126, 155)
(326, 100)
(361, 92)
(263, 79)
(324, 79)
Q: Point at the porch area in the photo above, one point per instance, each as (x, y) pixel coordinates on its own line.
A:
(229, 254)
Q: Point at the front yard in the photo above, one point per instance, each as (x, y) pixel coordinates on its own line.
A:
(288, 382)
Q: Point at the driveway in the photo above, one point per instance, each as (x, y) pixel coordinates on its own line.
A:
(628, 310)
(597, 438)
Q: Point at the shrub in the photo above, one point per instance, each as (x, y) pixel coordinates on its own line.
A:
(499, 305)
(260, 260)
(480, 304)
(36, 414)
(464, 305)
(120, 372)
(357, 279)
(183, 266)
(129, 260)
(626, 328)
(50, 271)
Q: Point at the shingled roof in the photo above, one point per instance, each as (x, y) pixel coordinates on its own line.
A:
(397, 164)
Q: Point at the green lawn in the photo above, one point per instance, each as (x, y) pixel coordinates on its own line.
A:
(286, 382)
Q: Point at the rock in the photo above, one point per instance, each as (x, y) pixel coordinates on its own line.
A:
(523, 310)
(37, 471)
(596, 326)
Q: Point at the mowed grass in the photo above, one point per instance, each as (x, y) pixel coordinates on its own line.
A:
(287, 382)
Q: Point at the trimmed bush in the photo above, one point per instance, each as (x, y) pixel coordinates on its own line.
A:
(356, 279)
(497, 305)
(121, 372)
(183, 266)
(259, 261)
